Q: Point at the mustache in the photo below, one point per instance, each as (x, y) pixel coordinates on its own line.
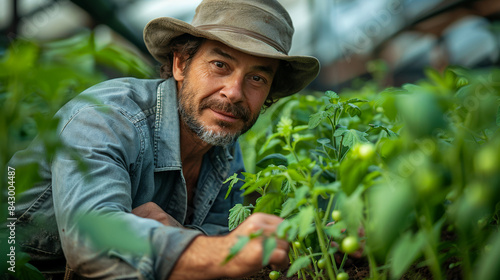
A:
(236, 110)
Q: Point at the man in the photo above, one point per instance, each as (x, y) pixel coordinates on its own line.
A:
(157, 151)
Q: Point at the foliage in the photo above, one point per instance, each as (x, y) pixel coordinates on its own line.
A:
(36, 79)
(408, 166)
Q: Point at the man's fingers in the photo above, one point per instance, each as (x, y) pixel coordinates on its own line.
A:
(279, 259)
(282, 244)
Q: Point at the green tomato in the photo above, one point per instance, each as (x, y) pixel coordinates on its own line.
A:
(273, 275)
(296, 244)
(336, 215)
(342, 276)
(350, 244)
(364, 151)
(486, 160)
(427, 181)
(321, 263)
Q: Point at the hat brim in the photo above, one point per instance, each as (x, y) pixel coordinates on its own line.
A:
(302, 70)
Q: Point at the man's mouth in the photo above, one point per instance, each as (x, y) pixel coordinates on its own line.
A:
(229, 112)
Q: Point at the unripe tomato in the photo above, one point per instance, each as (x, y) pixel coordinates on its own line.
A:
(321, 263)
(342, 276)
(486, 160)
(336, 215)
(363, 151)
(350, 244)
(427, 181)
(273, 275)
(296, 244)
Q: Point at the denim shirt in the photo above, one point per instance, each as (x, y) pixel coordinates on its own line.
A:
(126, 132)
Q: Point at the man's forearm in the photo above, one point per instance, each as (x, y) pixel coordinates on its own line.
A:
(203, 258)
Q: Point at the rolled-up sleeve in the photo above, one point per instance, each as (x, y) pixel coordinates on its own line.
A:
(92, 193)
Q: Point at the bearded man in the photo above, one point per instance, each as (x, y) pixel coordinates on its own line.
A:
(157, 153)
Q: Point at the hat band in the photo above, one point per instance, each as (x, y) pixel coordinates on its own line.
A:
(260, 37)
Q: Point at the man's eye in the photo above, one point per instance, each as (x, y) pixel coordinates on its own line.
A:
(258, 79)
(219, 64)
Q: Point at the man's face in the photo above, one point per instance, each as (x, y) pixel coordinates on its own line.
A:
(222, 91)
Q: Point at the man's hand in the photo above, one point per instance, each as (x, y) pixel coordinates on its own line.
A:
(204, 257)
(151, 210)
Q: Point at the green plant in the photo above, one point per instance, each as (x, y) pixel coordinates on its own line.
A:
(407, 165)
(36, 79)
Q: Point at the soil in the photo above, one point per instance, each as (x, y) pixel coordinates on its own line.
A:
(358, 268)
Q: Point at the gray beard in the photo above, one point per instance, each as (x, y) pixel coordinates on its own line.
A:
(205, 134)
(187, 111)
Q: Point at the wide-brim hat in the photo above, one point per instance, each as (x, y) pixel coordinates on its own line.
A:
(257, 27)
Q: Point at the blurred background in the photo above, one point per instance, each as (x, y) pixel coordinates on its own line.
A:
(405, 35)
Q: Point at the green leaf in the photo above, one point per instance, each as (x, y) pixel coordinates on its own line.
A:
(301, 193)
(498, 116)
(113, 231)
(234, 179)
(288, 207)
(237, 215)
(405, 252)
(295, 175)
(353, 136)
(305, 220)
(242, 241)
(316, 119)
(352, 206)
(336, 231)
(390, 134)
(297, 265)
(487, 265)
(353, 110)
(269, 203)
(276, 159)
(257, 185)
(355, 100)
(269, 244)
(332, 94)
(323, 141)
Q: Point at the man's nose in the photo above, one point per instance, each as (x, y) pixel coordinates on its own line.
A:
(233, 89)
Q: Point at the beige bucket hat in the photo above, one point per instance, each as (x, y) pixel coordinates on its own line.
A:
(257, 27)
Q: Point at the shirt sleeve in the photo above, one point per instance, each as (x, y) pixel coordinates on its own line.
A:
(92, 196)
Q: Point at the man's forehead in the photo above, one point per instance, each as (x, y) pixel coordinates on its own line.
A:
(220, 49)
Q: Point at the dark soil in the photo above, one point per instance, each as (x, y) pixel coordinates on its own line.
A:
(358, 268)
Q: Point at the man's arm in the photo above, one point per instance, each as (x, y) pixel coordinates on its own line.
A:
(203, 258)
(109, 145)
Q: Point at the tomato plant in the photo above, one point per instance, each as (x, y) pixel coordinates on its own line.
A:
(407, 165)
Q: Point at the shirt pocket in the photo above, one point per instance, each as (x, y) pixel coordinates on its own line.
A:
(36, 224)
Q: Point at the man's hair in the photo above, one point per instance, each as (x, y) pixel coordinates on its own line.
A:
(187, 45)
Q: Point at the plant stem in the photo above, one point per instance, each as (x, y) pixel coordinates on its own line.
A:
(334, 140)
(372, 264)
(343, 261)
(431, 246)
(328, 209)
(340, 148)
(321, 237)
(314, 264)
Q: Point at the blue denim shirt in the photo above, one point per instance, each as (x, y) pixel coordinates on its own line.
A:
(126, 131)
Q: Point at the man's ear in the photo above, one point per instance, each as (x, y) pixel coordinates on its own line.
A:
(178, 65)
